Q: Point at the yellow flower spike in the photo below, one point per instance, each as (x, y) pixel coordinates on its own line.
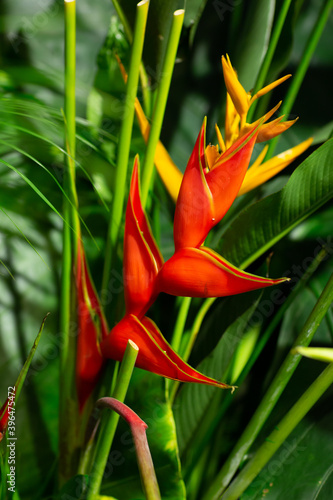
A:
(268, 88)
(212, 154)
(257, 163)
(258, 173)
(220, 138)
(237, 92)
(263, 119)
(232, 119)
(274, 128)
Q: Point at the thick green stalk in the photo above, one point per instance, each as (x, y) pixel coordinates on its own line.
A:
(67, 425)
(161, 100)
(269, 54)
(302, 67)
(279, 435)
(110, 420)
(125, 139)
(272, 395)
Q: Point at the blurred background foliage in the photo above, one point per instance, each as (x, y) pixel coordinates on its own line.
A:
(31, 142)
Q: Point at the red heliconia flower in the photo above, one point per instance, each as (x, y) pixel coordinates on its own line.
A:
(155, 354)
(142, 258)
(201, 272)
(92, 328)
(142, 264)
(206, 195)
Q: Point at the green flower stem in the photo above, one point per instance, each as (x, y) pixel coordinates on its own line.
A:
(67, 420)
(272, 395)
(160, 103)
(125, 139)
(192, 338)
(280, 434)
(110, 420)
(178, 333)
(180, 323)
(302, 67)
(143, 74)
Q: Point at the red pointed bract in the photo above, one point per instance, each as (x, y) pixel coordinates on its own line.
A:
(155, 354)
(92, 328)
(193, 272)
(205, 196)
(194, 208)
(142, 258)
(226, 177)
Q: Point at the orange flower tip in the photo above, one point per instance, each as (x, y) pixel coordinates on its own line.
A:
(233, 388)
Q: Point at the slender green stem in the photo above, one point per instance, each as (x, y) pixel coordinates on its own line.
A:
(143, 73)
(110, 420)
(125, 139)
(123, 20)
(280, 434)
(178, 333)
(67, 420)
(272, 395)
(180, 323)
(269, 54)
(161, 100)
(302, 67)
(192, 338)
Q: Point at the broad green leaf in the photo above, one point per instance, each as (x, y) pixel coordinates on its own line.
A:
(193, 10)
(261, 225)
(253, 42)
(194, 402)
(74, 489)
(302, 467)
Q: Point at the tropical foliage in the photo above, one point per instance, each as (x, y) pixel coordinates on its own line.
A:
(166, 228)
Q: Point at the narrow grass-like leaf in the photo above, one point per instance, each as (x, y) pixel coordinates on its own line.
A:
(4, 265)
(60, 149)
(25, 237)
(24, 153)
(34, 187)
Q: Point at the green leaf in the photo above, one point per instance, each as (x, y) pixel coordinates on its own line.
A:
(261, 225)
(307, 453)
(253, 42)
(194, 402)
